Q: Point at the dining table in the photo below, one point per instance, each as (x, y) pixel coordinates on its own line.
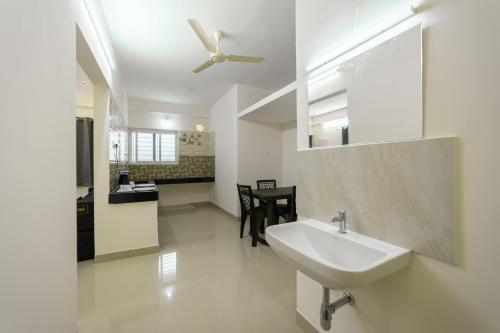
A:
(270, 196)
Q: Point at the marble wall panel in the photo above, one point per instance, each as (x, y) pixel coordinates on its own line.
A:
(399, 192)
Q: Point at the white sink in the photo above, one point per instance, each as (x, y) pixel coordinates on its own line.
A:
(335, 260)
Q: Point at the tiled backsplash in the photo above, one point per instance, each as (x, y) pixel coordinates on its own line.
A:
(399, 192)
(196, 143)
(196, 159)
(188, 167)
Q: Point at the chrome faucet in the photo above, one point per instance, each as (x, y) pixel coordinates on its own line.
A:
(342, 219)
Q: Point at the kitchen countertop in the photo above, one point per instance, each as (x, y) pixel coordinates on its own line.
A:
(189, 180)
(116, 197)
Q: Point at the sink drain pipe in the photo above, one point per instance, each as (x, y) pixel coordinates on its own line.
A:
(328, 309)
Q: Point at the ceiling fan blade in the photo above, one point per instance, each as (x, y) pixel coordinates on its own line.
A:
(240, 58)
(201, 35)
(204, 66)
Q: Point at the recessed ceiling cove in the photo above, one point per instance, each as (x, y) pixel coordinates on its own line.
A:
(157, 50)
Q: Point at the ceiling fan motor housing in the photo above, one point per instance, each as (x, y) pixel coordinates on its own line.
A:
(217, 57)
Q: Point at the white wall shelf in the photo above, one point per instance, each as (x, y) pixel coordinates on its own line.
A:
(278, 108)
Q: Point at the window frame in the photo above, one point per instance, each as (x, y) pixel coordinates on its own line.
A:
(133, 154)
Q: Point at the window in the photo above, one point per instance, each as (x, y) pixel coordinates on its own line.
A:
(153, 146)
(166, 149)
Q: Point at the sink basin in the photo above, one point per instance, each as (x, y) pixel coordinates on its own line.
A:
(337, 261)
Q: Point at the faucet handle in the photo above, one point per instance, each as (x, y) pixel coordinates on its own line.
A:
(341, 214)
(343, 221)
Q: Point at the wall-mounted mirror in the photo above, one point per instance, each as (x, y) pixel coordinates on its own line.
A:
(374, 96)
(329, 120)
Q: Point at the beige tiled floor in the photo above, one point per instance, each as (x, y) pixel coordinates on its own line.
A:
(205, 279)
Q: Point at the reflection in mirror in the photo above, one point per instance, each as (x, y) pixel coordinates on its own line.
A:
(328, 120)
(372, 96)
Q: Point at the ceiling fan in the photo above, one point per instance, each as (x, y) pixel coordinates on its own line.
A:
(216, 55)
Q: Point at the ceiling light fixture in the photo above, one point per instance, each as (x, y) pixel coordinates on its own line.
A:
(167, 122)
(323, 75)
(83, 83)
(387, 30)
(200, 127)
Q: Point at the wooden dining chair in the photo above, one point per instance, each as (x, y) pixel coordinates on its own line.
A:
(265, 184)
(257, 214)
(288, 211)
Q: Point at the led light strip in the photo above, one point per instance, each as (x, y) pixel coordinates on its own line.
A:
(329, 67)
(99, 37)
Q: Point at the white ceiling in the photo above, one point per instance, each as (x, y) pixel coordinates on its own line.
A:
(157, 50)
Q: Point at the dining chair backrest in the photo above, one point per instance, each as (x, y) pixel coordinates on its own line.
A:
(246, 197)
(292, 203)
(266, 184)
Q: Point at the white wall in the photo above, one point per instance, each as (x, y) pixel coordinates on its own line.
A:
(37, 134)
(288, 154)
(259, 152)
(181, 194)
(112, 76)
(266, 152)
(429, 296)
(84, 112)
(138, 104)
(223, 123)
(125, 227)
(117, 227)
(156, 120)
